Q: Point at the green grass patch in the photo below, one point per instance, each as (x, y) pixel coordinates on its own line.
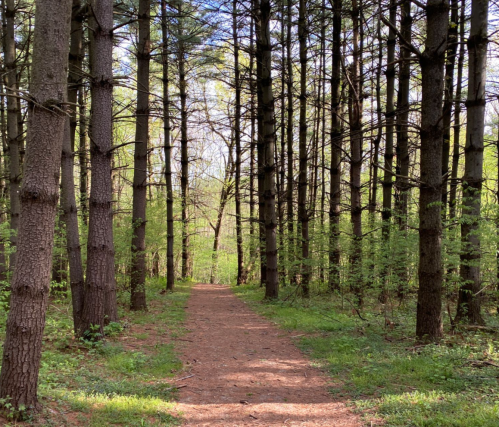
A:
(379, 369)
(107, 383)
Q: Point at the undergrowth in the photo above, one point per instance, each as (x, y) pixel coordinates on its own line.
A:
(376, 366)
(123, 380)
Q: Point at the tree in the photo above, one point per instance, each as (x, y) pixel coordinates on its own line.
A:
(68, 198)
(303, 221)
(11, 85)
(170, 269)
(100, 291)
(429, 306)
(39, 196)
(336, 154)
(138, 268)
(272, 280)
(468, 307)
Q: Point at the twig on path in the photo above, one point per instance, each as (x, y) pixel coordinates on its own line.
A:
(185, 378)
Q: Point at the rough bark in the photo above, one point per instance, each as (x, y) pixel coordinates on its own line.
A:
(39, 196)
(170, 269)
(429, 305)
(100, 292)
(272, 279)
(468, 305)
(138, 267)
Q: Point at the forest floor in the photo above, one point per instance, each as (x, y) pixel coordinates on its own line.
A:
(241, 370)
(212, 355)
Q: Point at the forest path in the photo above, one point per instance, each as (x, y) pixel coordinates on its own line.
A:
(247, 372)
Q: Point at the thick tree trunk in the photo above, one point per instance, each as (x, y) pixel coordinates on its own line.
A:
(100, 292)
(170, 269)
(336, 153)
(429, 306)
(303, 220)
(272, 282)
(138, 267)
(39, 195)
(468, 305)
(237, 137)
(68, 198)
(13, 136)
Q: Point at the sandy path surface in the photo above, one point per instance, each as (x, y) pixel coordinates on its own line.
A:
(247, 372)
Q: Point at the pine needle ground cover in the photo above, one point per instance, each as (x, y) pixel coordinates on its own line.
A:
(124, 380)
(375, 364)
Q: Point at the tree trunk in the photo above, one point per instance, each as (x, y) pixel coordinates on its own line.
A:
(290, 139)
(303, 220)
(13, 136)
(237, 137)
(83, 157)
(272, 279)
(170, 269)
(68, 198)
(336, 153)
(138, 267)
(402, 183)
(39, 196)
(386, 213)
(260, 143)
(100, 292)
(457, 115)
(184, 154)
(448, 99)
(355, 118)
(429, 306)
(468, 305)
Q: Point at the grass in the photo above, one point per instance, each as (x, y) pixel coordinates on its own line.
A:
(124, 380)
(381, 373)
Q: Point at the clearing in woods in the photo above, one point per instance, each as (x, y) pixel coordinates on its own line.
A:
(247, 372)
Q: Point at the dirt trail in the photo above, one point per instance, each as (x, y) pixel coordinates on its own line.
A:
(247, 372)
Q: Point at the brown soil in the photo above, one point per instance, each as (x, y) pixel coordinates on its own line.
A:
(247, 372)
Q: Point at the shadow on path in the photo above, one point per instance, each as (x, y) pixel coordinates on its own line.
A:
(247, 372)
